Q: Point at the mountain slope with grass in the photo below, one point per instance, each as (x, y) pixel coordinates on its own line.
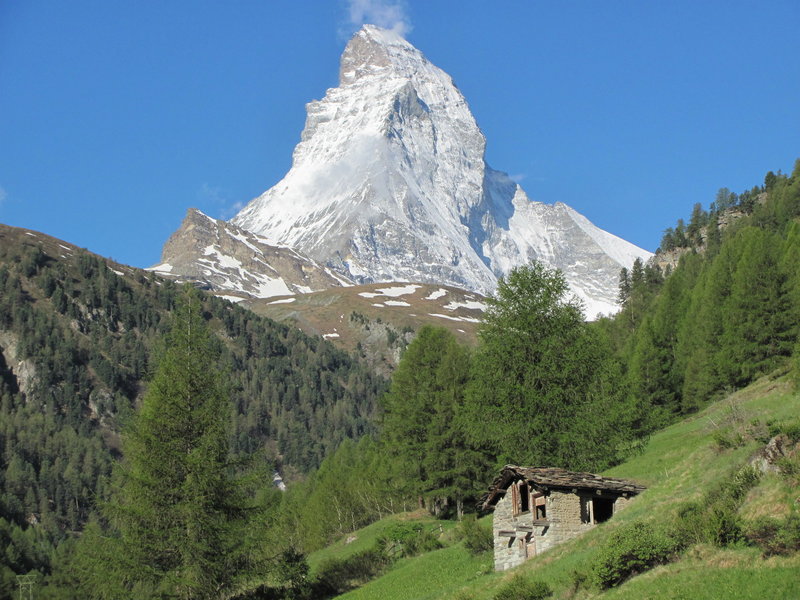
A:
(377, 321)
(696, 494)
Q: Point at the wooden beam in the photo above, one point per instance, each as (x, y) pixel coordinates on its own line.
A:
(507, 533)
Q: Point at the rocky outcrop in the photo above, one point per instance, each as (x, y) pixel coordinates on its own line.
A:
(22, 371)
(768, 459)
(224, 258)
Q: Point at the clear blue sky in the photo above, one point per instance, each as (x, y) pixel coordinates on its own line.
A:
(115, 117)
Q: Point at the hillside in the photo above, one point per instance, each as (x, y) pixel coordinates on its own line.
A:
(377, 321)
(681, 463)
(78, 340)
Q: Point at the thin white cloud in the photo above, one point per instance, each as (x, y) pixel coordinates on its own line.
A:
(517, 178)
(3, 195)
(232, 210)
(389, 14)
(211, 194)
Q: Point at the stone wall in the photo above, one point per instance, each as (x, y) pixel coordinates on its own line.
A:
(506, 549)
(564, 512)
(516, 538)
(621, 503)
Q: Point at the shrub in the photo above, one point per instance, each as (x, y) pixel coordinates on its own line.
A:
(577, 581)
(477, 538)
(521, 588)
(407, 539)
(725, 439)
(715, 519)
(629, 551)
(791, 429)
(774, 536)
(788, 466)
(724, 525)
(692, 525)
(741, 482)
(338, 575)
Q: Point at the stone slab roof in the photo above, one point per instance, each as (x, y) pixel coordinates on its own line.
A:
(548, 477)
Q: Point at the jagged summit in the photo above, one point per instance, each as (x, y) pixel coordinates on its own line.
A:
(389, 183)
(372, 49)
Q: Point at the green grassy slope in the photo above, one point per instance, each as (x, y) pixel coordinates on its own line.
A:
(679, 463)
(365, 538)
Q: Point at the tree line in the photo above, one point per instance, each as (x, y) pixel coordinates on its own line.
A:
(725, 316)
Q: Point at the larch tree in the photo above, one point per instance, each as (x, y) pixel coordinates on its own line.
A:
(422, 426)
(543, 388)
(177, 514)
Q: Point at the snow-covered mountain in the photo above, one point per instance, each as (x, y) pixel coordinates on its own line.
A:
(224, 258)
(389, 183)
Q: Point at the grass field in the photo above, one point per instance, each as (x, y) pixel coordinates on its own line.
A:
(679, 463)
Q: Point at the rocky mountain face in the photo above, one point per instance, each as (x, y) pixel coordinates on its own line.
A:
(389, 183)
(237, 263)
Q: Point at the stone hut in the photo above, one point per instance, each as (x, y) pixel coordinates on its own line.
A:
(536, 508)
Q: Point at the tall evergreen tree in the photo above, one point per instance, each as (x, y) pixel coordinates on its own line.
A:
(177, 514)
(655, 371)
(422, 422)
(757, 331)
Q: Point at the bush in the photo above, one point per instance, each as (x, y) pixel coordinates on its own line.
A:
(407, 539)
(724, 525)
(789, 467)
(477, 538)
(692, 525)
(715, 519)
(725, 439)
(774, 536)
(521, 588)
(338, 575)
(629, 551)
(791, 429)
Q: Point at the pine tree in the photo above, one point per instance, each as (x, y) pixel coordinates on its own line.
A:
(757, 330)
(177, 513)
(655, 372)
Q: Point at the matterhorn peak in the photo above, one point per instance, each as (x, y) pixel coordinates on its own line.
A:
(389, 183)
(373, 50)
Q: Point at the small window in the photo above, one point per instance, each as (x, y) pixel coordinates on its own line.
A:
(541, 508)
(524, 498)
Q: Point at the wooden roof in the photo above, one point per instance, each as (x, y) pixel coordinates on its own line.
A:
(547, 477)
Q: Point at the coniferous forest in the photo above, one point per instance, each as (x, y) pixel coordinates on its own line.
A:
(113, 373)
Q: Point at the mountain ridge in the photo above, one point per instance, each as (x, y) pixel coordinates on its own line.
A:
(389, 183)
